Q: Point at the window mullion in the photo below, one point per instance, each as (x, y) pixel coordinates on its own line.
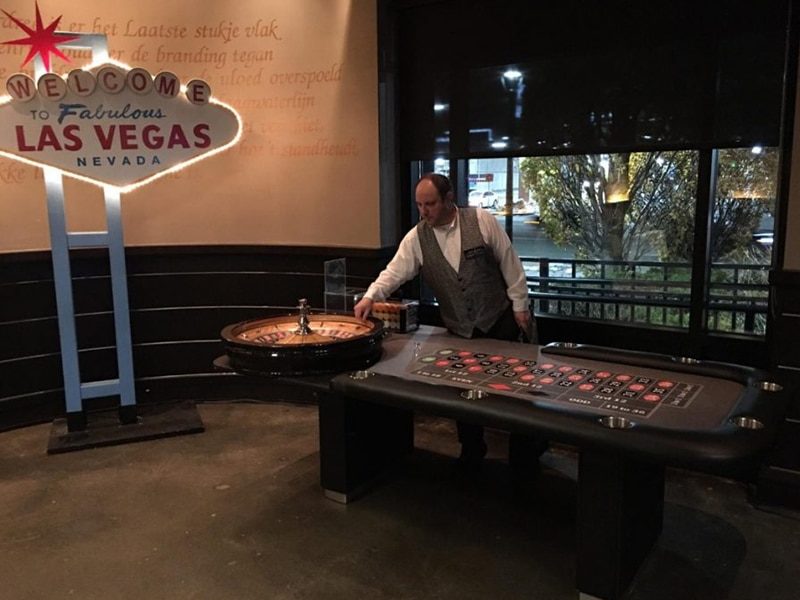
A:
(706, 192)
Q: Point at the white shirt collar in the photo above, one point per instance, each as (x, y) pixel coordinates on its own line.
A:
(451, 226)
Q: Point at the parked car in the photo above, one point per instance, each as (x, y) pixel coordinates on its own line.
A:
(483, 199)
(523, 207)
(765, 238)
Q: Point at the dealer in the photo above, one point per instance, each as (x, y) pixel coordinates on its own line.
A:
(478, 280)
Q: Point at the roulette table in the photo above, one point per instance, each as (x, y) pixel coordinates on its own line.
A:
(629, 414)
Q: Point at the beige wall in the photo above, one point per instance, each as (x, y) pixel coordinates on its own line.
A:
(306, 170)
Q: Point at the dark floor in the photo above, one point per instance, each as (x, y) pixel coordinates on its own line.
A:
(237, 513)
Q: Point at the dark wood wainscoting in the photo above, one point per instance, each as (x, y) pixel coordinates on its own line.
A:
(180, 298)
(785, 357)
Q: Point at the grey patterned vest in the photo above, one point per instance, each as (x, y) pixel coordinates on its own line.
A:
(475, 297)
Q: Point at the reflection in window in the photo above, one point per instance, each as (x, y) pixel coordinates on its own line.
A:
(741, 239)
(442, 166)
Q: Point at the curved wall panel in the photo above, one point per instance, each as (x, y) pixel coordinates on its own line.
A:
(180, 298)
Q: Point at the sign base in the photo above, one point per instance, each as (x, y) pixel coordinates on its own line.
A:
(105, 428)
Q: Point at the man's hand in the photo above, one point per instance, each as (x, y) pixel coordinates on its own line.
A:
(523, 319)
(527, 325)
(363, 308)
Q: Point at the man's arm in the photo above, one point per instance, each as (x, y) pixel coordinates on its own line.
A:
(404, 266)
(509, 263)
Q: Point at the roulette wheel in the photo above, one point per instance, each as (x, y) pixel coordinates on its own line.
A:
(305, 343)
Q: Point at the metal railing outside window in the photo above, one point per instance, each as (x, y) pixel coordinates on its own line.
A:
(655, 294)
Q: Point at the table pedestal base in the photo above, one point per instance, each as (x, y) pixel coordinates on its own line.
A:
(620, 499)
(358, 441)
(620, 514)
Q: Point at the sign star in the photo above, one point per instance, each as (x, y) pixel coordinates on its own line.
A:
(42, 40)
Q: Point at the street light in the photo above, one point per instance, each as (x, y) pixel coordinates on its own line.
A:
(514, 83)
(511, 78)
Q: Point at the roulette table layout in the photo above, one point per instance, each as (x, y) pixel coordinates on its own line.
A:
(627, 391)
(629, 415)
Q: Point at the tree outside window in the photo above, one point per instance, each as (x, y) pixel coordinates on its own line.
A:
(636, 210)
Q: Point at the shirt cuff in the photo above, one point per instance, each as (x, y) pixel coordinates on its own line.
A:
(520, 305)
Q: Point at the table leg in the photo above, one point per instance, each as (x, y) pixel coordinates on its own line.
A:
(620, 515)
(357, 441)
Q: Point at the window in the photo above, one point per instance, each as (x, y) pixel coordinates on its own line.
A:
(630, 154)
(611, 236)
(742, 228)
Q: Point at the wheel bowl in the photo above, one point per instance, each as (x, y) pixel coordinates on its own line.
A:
(272, 346)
